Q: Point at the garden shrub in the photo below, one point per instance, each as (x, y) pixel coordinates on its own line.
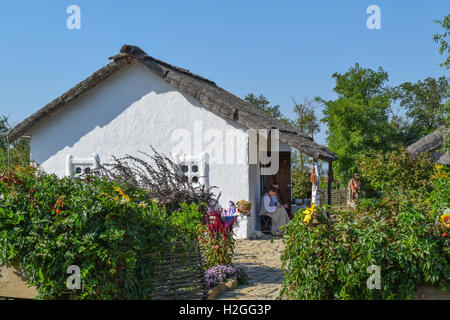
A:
(216, 239)
(300, 183)
(160, 177)
(401, 230)
(113, 232)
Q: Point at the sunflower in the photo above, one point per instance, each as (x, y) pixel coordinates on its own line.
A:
(446, 220)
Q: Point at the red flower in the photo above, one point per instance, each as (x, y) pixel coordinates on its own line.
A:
(60, 201)
(444, 234)
(57, 211)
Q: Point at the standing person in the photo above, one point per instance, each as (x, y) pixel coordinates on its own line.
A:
(353, 191)
(272, 208)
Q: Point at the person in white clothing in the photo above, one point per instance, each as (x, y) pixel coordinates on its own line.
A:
(272, 208)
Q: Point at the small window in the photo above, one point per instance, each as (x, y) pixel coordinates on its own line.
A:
(193, 169)
(76, 167)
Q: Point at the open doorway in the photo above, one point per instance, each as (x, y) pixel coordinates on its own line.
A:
(282, 178)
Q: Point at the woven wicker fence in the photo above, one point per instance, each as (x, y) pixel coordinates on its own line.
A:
(180, 275)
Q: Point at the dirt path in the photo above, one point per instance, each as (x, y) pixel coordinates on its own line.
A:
(261, 260)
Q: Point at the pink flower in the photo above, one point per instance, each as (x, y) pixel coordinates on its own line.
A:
(216, 247)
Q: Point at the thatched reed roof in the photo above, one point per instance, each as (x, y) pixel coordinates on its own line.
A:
(432, 144)
(215, 99)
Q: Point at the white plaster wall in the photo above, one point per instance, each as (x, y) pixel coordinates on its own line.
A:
(128, 112)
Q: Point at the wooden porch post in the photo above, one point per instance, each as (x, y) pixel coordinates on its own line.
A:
(330, 180)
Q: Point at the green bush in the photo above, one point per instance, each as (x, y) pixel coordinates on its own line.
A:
(400, 231)
(300, 183)
(114, 233)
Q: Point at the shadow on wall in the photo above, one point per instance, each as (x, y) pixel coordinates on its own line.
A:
(104, 105)
(98, 107)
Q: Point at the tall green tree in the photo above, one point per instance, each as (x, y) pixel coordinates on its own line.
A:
(358, 120)
(17, 153)
(425, 106)
(262, 103)
(4, 127)
(443, 40)
(307, 122)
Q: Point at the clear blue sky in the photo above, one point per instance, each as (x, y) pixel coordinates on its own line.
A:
(281, 49)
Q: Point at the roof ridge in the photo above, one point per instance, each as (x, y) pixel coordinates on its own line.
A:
(215, 99)
(137, 53)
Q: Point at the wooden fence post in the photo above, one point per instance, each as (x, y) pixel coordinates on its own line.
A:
(330, 180)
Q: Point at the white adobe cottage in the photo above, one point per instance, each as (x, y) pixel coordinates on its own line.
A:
(136, 101)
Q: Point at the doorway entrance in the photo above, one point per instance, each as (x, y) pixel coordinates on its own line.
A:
(282, 178)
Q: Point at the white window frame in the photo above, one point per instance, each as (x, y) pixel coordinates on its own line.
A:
(72, 163)
(190, 162)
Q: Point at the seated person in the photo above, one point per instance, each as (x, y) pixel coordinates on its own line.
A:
(272, 208)
(278, 195)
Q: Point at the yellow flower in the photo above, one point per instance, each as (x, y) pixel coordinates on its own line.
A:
(143, 204)
(312, 209)
(307, 218)
(446, 220)
(308, 213)
(104, 194)
(125, 197)
(439, 172)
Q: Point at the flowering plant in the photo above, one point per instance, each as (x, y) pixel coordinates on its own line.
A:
(446, 220)
(218, 274)
(216, 238)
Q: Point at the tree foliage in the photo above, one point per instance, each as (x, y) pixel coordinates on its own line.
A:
(443, 40)
(262, 103)
(425, 103)
(17, 153)
(358, 120)
(444, 49)
(306, 120)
